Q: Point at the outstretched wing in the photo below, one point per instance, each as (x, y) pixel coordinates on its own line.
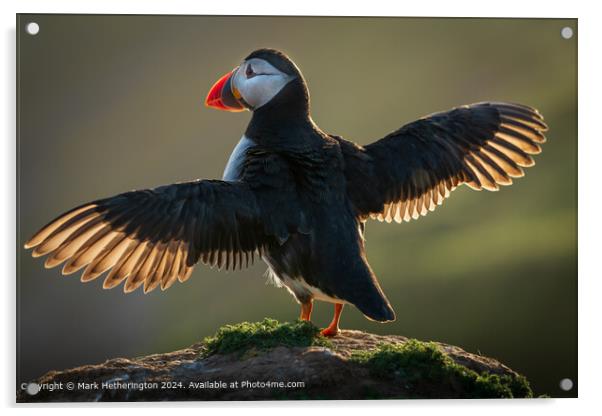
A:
(155, 237)
(482, 145)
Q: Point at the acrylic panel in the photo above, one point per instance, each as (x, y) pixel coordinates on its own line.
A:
(442, 292)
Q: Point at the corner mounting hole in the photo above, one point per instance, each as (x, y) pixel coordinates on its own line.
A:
(566, 32)
(32, 389)
(32, 28)
(566, 384)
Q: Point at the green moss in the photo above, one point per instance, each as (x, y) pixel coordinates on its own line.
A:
(423, 366)
(247, 337)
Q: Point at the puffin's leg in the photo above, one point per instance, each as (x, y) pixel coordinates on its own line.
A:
(333, 328)
(306, 308)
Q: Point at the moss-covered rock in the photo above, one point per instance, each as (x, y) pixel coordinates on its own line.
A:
(415, 364)
(260, 360)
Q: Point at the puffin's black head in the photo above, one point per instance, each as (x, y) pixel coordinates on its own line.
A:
(266, 76)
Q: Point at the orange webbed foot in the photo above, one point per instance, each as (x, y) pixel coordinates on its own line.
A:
(329, 332)
(333, 329)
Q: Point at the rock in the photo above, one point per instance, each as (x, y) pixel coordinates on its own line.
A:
(270, 361)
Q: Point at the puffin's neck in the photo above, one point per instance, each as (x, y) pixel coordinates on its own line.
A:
(285, 117)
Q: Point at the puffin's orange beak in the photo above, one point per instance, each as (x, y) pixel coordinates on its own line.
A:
(223, 95)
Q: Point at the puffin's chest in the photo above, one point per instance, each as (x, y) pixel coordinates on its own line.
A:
(236, 160)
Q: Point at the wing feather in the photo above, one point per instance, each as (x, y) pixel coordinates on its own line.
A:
(154, 237)
(415, 168)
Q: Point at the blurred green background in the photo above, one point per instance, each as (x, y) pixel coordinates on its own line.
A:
(113, 103)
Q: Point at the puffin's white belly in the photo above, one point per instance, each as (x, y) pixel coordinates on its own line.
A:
(298, 285)
(234, 165)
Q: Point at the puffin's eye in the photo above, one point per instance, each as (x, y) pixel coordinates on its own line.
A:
(249, 72)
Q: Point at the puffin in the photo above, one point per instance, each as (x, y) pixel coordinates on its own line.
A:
(295, 196)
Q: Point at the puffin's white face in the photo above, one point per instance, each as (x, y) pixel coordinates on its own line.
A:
(257, 82)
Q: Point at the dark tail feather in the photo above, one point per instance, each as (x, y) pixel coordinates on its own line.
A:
(377, 309)
(366, 294)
